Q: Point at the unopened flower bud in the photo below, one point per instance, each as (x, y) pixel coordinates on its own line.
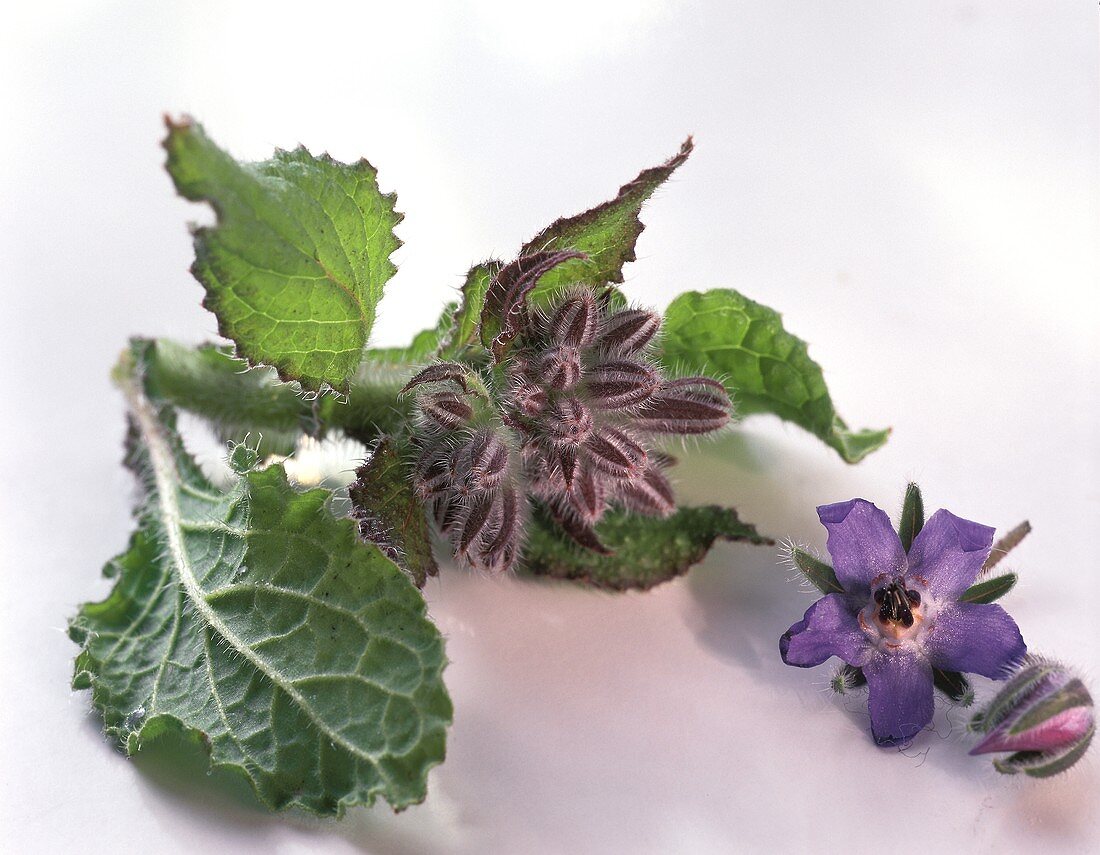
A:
(621, 385)
(614, 452)
(561, 367)
(573, 324)
(444, 410)
(1044, 715)
(487, 460)
(530, 399)
(569, 422)
(692, 405)
(588, 495)
(629, 331)
(650, 493)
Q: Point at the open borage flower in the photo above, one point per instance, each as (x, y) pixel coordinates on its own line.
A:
(898, 615)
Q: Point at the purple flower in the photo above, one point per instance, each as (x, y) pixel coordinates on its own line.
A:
(898, 616)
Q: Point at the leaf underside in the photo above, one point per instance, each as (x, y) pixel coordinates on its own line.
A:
(255, 623)
(723, 334)
(644, 551)
(295, 265)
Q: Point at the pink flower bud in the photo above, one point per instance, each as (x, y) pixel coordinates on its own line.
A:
(1044, 715)
(650, 494)
(693, 405)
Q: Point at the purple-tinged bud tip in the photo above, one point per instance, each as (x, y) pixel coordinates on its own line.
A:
(569, 422)
(561, 367)
(573, 324)
(628, 332)
(692, 405)
(621, 385)
(444, 410)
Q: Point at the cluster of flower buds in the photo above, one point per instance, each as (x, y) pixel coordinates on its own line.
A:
(585, 402)
(1044, 716)
(567, 417)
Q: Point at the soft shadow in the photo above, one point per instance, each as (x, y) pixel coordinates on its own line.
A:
(184, 791)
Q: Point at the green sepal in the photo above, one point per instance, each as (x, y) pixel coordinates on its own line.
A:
(1005, 545)
(644, 551)
(954, 685)
(820, 574)
(912, 516)
(723, 334)
(989, 590)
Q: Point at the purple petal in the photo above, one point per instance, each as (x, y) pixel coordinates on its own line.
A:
(829, 628)
(900, 696)
(862, 543)
(974, 638)
(949, 552)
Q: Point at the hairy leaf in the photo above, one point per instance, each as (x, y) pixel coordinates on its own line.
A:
(210, 382)
(389, 512)
(258, 625)
(720, 333)
(467, 318)
(296, 263)
(606, 234)
(644, 551)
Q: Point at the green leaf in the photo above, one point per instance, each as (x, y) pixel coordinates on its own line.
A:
(645, 551)
(820, 574)
(606, 234)
(255, 623)
(720, 333)
(210, 382)
(389, 512)
(296, 263)
(990, 590)
(912, 516)
(467, 319)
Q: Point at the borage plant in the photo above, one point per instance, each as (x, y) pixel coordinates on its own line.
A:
(278, 624)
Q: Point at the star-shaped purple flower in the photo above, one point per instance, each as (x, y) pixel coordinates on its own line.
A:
(899, 615)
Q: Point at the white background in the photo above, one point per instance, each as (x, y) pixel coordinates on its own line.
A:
(914, 185)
